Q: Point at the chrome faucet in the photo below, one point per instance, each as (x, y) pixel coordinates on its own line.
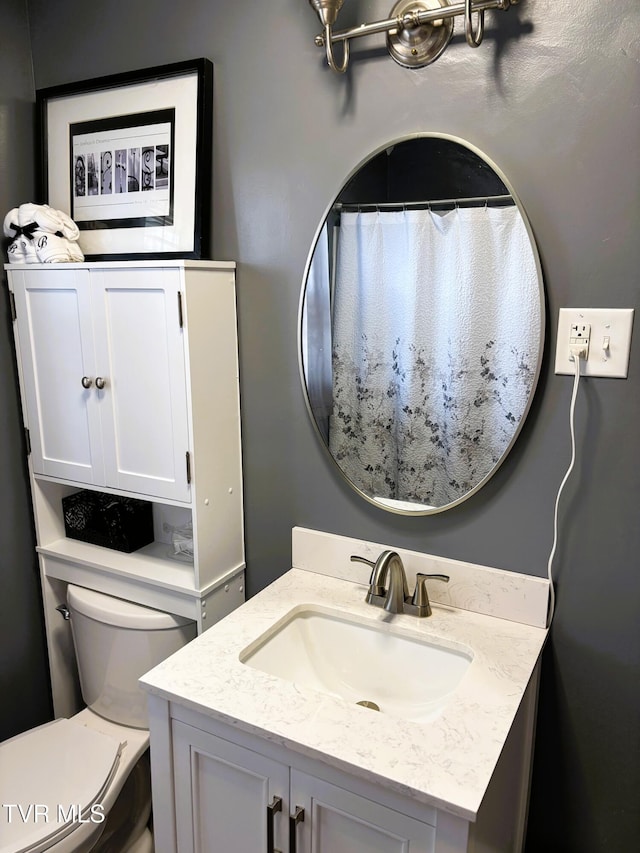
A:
(393, 595)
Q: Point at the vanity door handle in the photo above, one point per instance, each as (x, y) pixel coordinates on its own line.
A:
(294, 820)
(100, 383)
(276, 806)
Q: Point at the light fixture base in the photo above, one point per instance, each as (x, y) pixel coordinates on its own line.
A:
(415, 47)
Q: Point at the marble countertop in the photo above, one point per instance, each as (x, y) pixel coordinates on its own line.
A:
(446, 763)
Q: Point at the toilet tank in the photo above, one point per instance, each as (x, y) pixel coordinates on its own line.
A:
(116, 642)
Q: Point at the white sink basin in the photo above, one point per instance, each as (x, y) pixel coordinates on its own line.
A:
(361, 661)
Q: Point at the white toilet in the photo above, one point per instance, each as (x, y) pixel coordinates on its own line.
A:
(83, 784)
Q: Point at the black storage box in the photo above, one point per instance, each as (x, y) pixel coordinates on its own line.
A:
(124, 524)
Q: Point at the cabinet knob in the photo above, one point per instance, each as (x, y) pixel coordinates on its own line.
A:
(100, 383)
(86, 382)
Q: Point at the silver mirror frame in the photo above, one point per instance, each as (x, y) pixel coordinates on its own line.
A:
(481, 155)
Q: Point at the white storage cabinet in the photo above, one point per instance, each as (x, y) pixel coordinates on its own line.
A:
(129, 383)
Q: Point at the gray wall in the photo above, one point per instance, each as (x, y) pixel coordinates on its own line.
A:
(551, 97)
(23, 672)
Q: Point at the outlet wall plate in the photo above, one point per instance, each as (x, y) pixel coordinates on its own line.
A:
(609, 344)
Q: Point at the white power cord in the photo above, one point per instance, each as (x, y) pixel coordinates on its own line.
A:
(578, 355)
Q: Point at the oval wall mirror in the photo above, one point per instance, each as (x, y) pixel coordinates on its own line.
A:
(421, 324)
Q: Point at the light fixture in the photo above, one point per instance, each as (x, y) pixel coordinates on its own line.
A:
(417, 31)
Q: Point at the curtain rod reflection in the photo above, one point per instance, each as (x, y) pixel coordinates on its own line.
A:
(434, 204)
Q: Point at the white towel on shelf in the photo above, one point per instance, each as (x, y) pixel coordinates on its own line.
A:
(21, 250)
(51, 249)
(41, 234)
(11, 225)
(49, 220)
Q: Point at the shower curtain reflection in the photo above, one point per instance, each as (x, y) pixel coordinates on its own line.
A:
(432, 364)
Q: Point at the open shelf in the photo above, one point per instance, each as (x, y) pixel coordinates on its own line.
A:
(150, 564)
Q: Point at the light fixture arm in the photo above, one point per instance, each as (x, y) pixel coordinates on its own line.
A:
(473, 39)
(412, 20)
(328, 42)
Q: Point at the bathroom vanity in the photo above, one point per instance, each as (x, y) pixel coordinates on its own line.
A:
(259, 741)
(129, 383)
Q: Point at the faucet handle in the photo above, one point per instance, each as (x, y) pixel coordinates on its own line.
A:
(374, 587)
(420, 595)
(355, 558)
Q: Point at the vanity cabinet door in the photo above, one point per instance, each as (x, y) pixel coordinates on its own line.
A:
(140, 358)
(224, 796)
(58, 369)
(338, 820)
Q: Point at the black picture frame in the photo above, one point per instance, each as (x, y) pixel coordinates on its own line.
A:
(106, 126)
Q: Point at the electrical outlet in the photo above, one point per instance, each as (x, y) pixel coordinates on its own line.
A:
(579, 337)
(607, 334)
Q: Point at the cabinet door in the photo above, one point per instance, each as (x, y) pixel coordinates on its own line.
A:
(53, 316)
(338, 820)
(224, 794)
(140, 357)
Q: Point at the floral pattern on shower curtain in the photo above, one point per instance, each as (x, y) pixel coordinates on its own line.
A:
(436, 335)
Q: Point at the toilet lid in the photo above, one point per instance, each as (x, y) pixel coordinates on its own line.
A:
(52, 780)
